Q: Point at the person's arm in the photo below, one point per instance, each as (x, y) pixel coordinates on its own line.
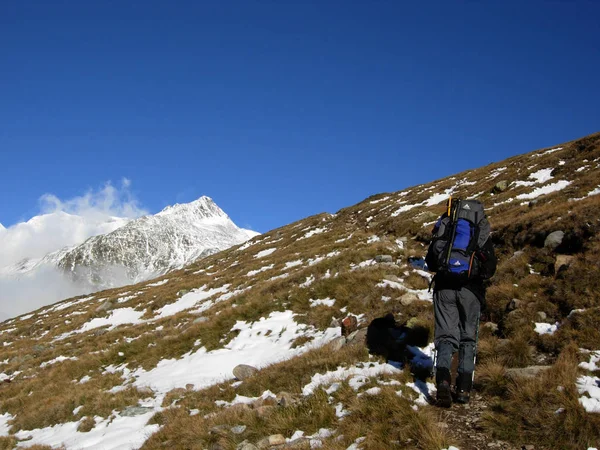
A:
(487, 257)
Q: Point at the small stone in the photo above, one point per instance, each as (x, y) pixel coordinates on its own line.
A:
(189, 387)
(563, 261)
(337, 344)
(238, 429)
(263, 411)
(554, 239)
(541, 316)
(285, 399)
(408, 299)
(133, 411)
(493, 327)
(219, 430)
(246, 446)
(349, 325)
(239, 407)
(244, 371)
(515, 303)
(500, 186)
(529, 447)
(298, 444)
(442, 425)
(271, 441)
(358, 337)
(527, 372)
(104, 306)
(384, 259)
(268, 401)
(335, 323)
(200, 320)
(182, 292)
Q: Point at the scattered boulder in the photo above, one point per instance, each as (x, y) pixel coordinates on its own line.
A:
(271, 441)
(515, 303)
(132, 411)
(299, 444)
(335, 323)
(517, 254)
(285, 399)
(393, 278)
(408, 298)
(266, 401)
(541, 316)
(247, 446)
(263, 411)
(182, 292)
(244, 371)
(384, 259)
(358, 337)
(105, 306)
(526, 372)
(337, 344)
(500, 186)
(563, 261)
(200, 320)
(554, 239)
(219, 430)
(238, 429)
(493, 327)
(349, 325)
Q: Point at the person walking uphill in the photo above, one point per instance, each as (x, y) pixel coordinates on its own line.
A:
(462, 256)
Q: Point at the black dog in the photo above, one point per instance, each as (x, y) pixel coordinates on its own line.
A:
(397, 343)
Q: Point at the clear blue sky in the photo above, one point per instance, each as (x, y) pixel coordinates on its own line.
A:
(282, 109)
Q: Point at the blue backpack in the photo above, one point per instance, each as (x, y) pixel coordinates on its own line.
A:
(457, 236)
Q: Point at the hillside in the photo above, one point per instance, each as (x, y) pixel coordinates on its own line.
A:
(151, 365)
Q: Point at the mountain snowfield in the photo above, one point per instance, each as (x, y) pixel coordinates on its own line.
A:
(150, 365)
(121, 251)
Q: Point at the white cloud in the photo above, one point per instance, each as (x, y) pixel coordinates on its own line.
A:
(64, 223)
(61, 223)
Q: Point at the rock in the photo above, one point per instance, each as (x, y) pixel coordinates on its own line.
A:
(393, 278)
(515, 303)
(238, 429)
(104, 306)
(517, 254)
(39, 348)
(221, 444)
(298, 444)
(189, 387)
(263, 411)
(337, 344)
(271, 441)
(219, 430)
(268, 401)
(244, 371)
(182, 292)
(532, 203)
(500, 186)
(408, 299)
(526, 372)
(335, 323)
(541, 316)
(349, 325)
(384, 259)
(200, 320)
(239, 407)
(529, 447)
(554, 239)
(563, 261)
(493, 327)
(245, 445)
(285, 399)
(132, 411)
(358, 337)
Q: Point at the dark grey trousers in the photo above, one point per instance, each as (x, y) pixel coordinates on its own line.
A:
(456, 321)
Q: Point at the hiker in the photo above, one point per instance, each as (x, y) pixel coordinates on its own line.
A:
(462, 256)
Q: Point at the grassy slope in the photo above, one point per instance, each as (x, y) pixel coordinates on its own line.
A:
(520, 412)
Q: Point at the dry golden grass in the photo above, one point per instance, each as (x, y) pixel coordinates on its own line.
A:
(385, 419)
(529, 414)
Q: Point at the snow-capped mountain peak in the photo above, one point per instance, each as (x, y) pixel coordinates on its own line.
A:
(202, 208)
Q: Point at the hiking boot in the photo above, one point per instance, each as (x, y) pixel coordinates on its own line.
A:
(462, 397)
(464, 383)
(444, 393)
